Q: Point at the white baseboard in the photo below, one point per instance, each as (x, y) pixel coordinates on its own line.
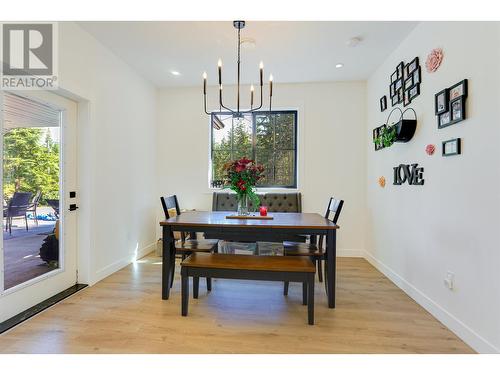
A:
(470, 337)
(119, 264)
(351, 253)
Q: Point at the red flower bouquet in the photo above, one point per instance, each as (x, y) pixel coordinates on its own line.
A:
(241, 177)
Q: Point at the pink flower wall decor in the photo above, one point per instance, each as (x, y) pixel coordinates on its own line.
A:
(429, 149)
(434, 60)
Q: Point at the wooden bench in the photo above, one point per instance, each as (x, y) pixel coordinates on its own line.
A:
(249, 267)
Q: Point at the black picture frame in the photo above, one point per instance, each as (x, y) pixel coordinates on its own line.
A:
(394, 76)
(398, 84)
(392, 90)
(414, 91)
(452, 147)
(408, 83)
(417, 75)
(400, 95)
(413, 65)
(457, 109)
(406, 98)
(383, 103)
(462, 89)
(441, 102)
(394, 100)
(399, 69)
(444, 120)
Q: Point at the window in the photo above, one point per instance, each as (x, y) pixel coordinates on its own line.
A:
(268, 138)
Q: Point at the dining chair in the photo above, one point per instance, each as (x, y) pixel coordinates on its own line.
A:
(316, 252)
(34, 205)
(184, 244)
(17, 207)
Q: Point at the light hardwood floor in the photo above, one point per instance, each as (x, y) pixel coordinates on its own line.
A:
(125, 314)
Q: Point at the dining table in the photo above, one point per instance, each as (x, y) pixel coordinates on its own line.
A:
(280, 227)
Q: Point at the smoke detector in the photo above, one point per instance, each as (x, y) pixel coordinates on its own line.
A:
(353, 42)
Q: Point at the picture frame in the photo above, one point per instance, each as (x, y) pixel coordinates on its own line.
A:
(398, 84)
(392, 90)
(408, 82)
(383, 103)
(458, 89)
(406, 98)
(417, 76)
(400, 95)
(457, 110)
(413, 65)
(399, 69)
(394, 100)
(394, 76)
(444, 119)
(452, 147)
(414, 91)
(441, 101)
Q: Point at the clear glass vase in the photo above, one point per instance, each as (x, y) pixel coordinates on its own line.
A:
(243, 205)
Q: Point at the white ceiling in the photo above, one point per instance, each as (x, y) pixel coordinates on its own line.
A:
(291, 51)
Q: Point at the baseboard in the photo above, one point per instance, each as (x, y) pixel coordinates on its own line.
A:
(350, 253)
(119, 264)
(470, 337)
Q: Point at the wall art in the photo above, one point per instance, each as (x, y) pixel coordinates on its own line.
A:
(449, 104)
(434, 60)
(405, 83)
(429, 149)
(452, 147)
(381, 181)
(383, 103)
(411, 173)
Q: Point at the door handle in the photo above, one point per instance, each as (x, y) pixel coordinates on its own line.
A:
(73, 207)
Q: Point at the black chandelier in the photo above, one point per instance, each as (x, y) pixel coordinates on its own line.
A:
(239, 113)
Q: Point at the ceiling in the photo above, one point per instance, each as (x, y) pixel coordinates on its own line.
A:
(291, 51)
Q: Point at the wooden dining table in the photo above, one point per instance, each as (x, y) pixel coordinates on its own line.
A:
(282, 227)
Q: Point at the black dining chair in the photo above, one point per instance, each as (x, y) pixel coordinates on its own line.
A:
(316, 252)
(184, 245)
(17, 207)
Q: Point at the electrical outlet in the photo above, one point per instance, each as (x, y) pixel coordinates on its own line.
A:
(449, 281)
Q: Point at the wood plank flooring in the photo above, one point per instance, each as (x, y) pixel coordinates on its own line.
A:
(125, 314)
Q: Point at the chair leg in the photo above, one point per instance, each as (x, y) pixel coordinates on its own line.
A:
(285, 289)
(36, 217)
(320, 269)
(184, 292)
(209, 284)
(304, 294)
(310, 300)
(196, 286)
(10, 225)
(26, 221)
(172, 271)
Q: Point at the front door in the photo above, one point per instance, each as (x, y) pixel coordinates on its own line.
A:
(38, 254)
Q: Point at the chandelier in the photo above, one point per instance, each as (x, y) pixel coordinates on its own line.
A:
(238, 113)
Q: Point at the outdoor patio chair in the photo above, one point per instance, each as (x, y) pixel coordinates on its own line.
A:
(34, 204)
(17, 207)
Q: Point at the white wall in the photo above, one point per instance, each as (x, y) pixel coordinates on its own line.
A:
(117, 154)
(331, 155)
(418, 233)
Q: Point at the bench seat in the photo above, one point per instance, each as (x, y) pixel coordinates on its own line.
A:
(248, 267)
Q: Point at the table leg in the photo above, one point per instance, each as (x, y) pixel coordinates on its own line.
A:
(310, 300)
(331, 265)
(166, 268)
(184, 291)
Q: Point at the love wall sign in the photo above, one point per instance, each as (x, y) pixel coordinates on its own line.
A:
(410, 173)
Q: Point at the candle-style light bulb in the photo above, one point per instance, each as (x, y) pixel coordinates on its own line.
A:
(219, 66)
(261, 67)
(204, 83)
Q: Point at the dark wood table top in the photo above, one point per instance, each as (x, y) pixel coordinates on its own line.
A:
(281, 220)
